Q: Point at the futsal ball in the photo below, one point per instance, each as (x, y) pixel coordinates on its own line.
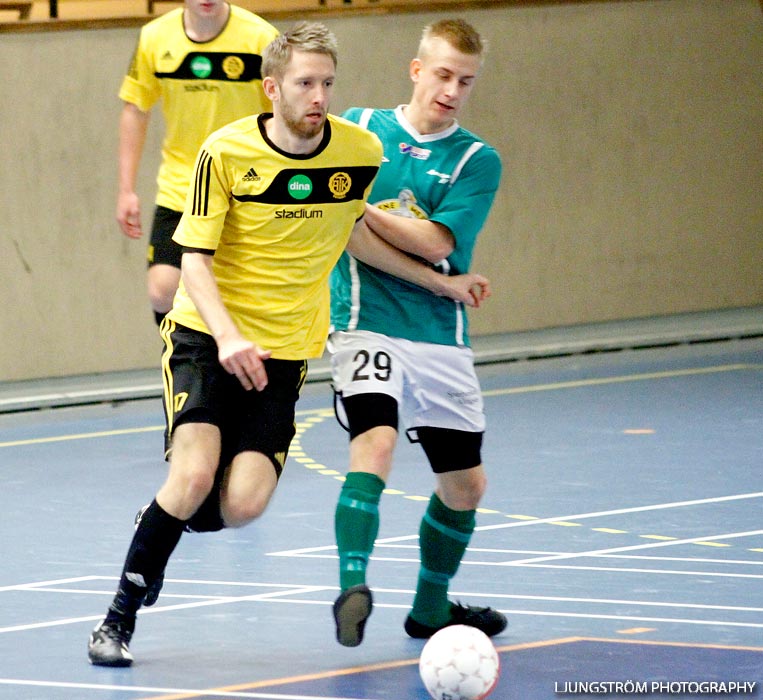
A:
(459, 663)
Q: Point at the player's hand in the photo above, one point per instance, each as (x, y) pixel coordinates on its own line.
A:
(128, 214)
(470, 288)
(245, 359)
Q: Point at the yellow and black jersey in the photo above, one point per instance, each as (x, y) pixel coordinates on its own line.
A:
(277, 223)
(202, 86)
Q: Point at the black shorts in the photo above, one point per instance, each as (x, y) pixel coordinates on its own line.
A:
(162, 250)
(197, 389)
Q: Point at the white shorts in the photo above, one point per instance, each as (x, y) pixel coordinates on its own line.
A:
(434, 385)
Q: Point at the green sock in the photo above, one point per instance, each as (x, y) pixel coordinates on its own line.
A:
(356, 524)
(443, 537)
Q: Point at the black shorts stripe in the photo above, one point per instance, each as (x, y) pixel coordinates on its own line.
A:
(166, 329)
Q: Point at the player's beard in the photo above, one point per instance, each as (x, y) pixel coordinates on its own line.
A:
(297, 125)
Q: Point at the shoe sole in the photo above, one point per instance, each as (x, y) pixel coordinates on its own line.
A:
(351, 610)
(115, 663)
(419, 631)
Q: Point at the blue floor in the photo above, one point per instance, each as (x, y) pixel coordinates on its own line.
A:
(621, 535)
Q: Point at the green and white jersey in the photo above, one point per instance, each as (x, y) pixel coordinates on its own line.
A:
(450, 177)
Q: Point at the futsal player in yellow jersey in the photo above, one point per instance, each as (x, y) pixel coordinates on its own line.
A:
(278, 222)
(275, 199)
(203, 62)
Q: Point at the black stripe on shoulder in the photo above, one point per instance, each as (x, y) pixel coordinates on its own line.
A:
(203, 251)
(201, 184)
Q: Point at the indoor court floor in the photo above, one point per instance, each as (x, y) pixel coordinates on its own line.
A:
(622, 535)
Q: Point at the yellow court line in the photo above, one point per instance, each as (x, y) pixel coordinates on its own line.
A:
(493, 392)
(320, 413)
(82, 436)
(124, 431)
(622, 378)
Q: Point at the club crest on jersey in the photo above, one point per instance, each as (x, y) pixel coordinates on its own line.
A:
(233, 67)
(339, 185)
(405, 205)
(415, 151)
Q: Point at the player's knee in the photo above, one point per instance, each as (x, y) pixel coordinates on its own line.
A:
(186, 490)
(462, 490)
(474, 486)
(250, 483)
(162, 284)
(374, 449)
(241, 509)
(161, 299)
(199, 483)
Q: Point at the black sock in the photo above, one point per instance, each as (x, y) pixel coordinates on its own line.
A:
(208, 517)
(152, 544)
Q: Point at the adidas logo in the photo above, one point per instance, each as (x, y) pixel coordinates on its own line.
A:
(251, 176)
(167, 55)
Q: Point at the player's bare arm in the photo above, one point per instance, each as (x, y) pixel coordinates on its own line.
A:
(429, 240)
(470, 288)
(237, 355)
(133, 125)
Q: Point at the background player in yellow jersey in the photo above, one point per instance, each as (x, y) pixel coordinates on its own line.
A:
(275, 199)
(203, 62)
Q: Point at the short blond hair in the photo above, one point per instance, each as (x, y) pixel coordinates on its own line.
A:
(457, 32)
(312, 37)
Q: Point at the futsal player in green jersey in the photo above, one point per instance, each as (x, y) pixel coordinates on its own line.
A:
(275, 199)
(202, 61)
(401, 353)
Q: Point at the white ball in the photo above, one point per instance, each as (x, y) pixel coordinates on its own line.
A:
(459, 663)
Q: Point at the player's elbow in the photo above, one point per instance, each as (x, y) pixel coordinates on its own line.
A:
(439, 246)
(437, 252)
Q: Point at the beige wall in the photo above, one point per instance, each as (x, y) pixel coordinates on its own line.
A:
(630, 134)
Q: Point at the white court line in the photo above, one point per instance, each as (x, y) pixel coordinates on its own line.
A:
(631, 548)
(615, 569)
(622, 511)
(168, 608)
(622, 601)
(656, 572)
(54, 582)
(194, 692)
(110, 592)
(634, 618)
(286, 597)
(592, 616)
(42, 585)
(542, 521)
(408, 592)
(647, 557)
